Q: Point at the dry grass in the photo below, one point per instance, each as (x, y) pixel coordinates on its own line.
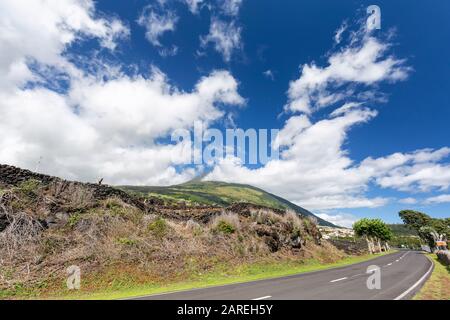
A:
(105, 236)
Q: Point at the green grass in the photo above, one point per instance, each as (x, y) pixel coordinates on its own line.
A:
(437, 286)
(221, 275)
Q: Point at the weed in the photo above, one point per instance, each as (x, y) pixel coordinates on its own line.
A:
(225, 227)
(74, 219)
(127, 241)
(158, 227)
(29, 187)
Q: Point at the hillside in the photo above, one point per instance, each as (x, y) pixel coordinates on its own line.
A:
(400, 230)
(118, 239)
(222, 194)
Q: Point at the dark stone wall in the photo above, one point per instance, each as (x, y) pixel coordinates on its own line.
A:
(13, 176)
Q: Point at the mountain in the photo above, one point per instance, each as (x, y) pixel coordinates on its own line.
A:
(221, 194)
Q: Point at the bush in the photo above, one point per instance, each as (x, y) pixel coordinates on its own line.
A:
(158, 227)
(266, 216)
(115, 206)
(74, 219)
(126, 241)
(29, 187)
(226, 223)
(225, 227)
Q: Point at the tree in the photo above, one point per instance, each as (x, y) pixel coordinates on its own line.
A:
(380, 231)
(414, 219)
(430, 230)
(372, 230)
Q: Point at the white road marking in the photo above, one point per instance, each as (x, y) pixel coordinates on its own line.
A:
(389, 264)
(357, 275)
(340, 279)
(397, 260)
(417, 283)
(262, 298)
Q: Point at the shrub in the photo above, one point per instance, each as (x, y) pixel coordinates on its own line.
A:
(268, 217)
(74, 219)
(126, 241)
(114, 206)
(158, 227)
(226, 223)
(225, 227)
(29, 187)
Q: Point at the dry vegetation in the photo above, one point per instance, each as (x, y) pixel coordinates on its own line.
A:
(50, 227)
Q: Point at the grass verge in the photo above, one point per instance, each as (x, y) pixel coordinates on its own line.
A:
(221, 275)
(437, 286)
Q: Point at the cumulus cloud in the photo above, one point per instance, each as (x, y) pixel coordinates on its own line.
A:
(364, 61)
(443, 198)
(41, 30)
(340, 219)
(224, 36)
(105, 123)
(157, 24)
(408, 200)
(315, 169)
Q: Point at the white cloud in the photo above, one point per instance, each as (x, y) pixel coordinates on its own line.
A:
(231, 7)
(315, 169)
(156, 24)
(364, 62)
(340, 219)
(340, 32)
(41, 30)
(443, 198)
(194, 5)
(105, 123)
(408, 200)
(226, 37)
(269, 74)
(417, 171)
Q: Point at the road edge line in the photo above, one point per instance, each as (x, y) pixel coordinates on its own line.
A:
(422, 279)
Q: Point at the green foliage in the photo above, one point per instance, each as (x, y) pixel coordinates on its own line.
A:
(74, 219)
(427, 228)
(362, 227)
(158, 227)
(115, 207)
(414, 219)
(401, 230)
(374, 228)
(225, 227)
(126, 241)
(412, 242)
(29, 187)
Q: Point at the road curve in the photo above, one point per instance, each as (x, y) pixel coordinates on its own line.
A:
(402, 275)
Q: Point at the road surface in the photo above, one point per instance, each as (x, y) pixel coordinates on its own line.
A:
(402, 275)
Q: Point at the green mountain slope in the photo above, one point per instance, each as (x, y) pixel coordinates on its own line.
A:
(401, 230)
(222, 194)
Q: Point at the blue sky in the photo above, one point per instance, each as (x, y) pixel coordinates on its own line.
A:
(101, 85)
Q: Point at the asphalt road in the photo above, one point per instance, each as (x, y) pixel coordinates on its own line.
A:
(401, 274)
